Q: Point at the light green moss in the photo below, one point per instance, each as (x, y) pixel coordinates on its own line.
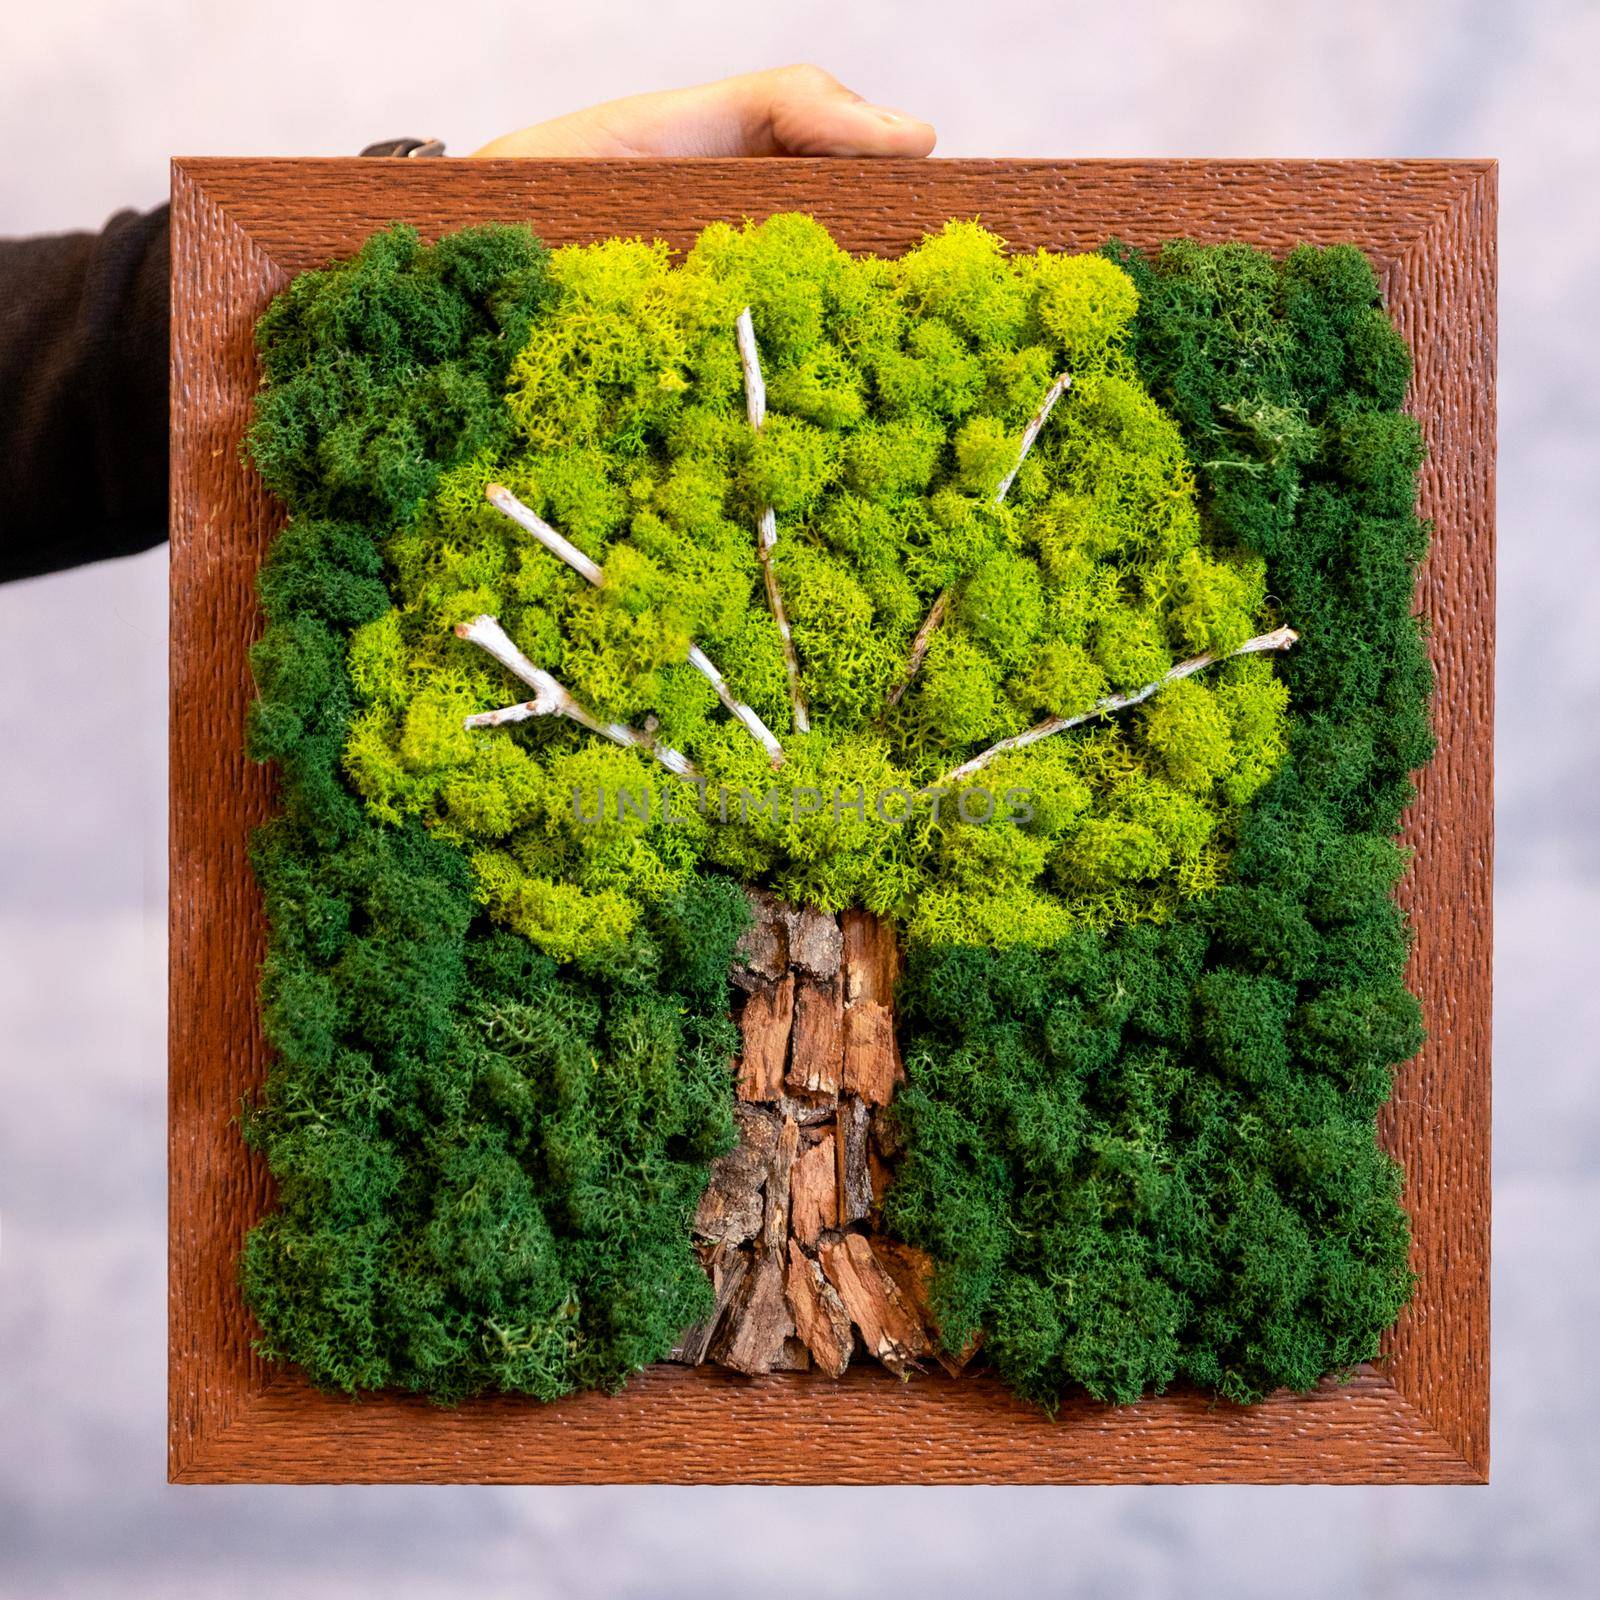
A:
(898, 391)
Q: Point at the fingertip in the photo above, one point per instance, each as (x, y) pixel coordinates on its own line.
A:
(838, 127)
(909, 136)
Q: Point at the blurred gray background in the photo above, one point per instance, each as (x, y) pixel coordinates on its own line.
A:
(94, 96)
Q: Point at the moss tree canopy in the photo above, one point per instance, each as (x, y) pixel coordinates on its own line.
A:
(898, 392)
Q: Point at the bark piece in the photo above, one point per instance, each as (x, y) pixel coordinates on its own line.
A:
(815, 942)
(758, 1321)
(731, 1209)
(775, 1227)
(765, 1027)
(887, 1138)
(912, 1271)
(880, 1175)
(872, 1065)
(813, 1193)
(871, 958)
(816, 1058)
(757, 1127)
(810, 1111)
(793, 1357)
(851, 1174)
(763, 948)
(890, 1327)
(728, 1268)
(819, 1315)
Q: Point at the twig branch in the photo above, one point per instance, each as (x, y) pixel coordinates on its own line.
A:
(502, 499)
(742, 713)
(1035, 423)
(1279, 639)
(524, 516)
(755, 404)
(930, 626)
(919, 646)
(520, 712)
(551, 699)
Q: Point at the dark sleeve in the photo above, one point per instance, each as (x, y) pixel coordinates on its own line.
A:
(83, 394)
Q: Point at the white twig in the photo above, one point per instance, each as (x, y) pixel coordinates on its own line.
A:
(520, 712)
(551, 699)
(524, 516)
(502, 499)
(1031, 432)
(1279, 639)
(758, 730)
(755, 386)
(755, 405)
(930, 626)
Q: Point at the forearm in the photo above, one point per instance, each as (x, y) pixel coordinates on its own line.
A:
(83, 394)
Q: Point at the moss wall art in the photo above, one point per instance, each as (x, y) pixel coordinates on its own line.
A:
(1055, 608)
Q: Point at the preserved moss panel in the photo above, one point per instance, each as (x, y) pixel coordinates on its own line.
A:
(1151, 1009)
(1150, 1154)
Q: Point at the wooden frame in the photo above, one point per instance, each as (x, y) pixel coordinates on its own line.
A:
(240, 230)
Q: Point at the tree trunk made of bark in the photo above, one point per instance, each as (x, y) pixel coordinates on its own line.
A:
(789, 1225)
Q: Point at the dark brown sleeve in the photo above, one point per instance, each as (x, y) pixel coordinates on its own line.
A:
(83, 394)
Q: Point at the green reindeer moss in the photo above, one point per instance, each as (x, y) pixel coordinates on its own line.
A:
(1152, 1005)
(898, 391)
(1150, 1154)
(486, 1165)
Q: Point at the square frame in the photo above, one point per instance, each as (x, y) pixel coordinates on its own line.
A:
(240, 231)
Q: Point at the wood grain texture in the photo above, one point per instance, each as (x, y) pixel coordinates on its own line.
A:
(240, 230)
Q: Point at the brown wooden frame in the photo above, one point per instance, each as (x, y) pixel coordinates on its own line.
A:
(240, 230)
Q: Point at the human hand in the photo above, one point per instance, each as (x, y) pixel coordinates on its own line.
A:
(786, 111)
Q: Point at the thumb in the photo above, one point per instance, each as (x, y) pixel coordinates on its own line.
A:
(798, 111)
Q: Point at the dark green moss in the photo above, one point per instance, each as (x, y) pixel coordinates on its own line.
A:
(485, 1164)
(1151, 1155)
(389, 369)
